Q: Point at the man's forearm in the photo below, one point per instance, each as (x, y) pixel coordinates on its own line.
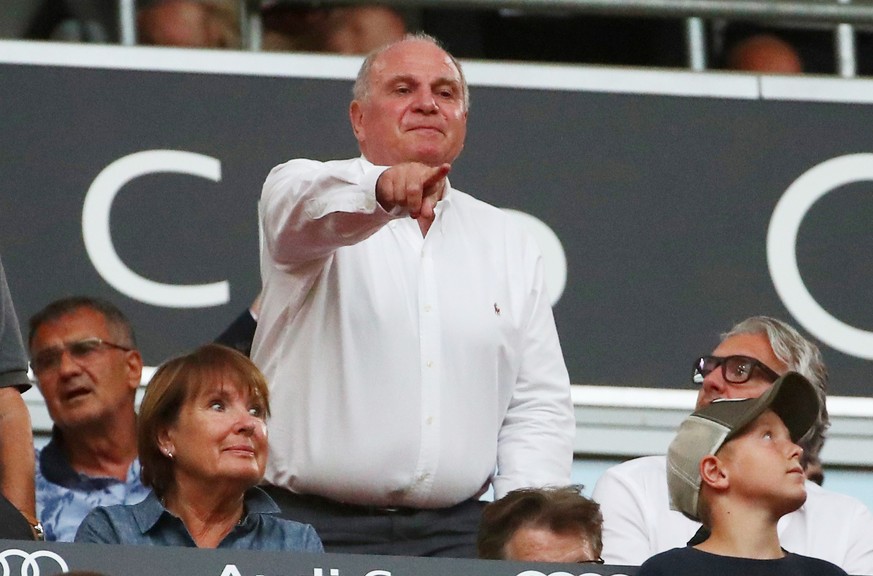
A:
(16, 453)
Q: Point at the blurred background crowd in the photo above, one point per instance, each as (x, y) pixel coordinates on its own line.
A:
(504, 34)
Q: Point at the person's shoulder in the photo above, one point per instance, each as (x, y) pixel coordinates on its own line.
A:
(470, 203)
(822, 500)
(641, 480)
(641, 469)
(667, 562)
(114, 512)
(507, 226)
(813, 566)
(295, 536)
(301, 166)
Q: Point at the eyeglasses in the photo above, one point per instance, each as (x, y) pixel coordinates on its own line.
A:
(597, 560)
(80, 351)
(735, 369)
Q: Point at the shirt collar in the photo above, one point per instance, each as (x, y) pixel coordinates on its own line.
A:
(56, 468)
(147, 513)
(53, 462)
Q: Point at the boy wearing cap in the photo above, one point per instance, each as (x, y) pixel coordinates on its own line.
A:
(735, 466)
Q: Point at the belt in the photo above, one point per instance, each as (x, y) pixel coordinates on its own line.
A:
(357, 509)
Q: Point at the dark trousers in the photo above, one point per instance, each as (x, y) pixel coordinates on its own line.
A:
(351, 529)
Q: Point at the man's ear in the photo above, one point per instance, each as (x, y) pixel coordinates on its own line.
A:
(356, 115)
(713, 472)
(134, 368)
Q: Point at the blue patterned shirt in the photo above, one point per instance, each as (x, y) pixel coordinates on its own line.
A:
(149, 523)
(64, 497)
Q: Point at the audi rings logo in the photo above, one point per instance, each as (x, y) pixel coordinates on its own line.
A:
(31, 563)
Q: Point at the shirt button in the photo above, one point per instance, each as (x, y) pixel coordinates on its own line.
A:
(429, 364)
(427, 307)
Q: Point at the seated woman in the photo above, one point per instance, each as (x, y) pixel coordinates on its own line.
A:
(203, 447)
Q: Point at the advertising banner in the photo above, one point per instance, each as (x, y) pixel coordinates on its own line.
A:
(19, 558)
(669, 205)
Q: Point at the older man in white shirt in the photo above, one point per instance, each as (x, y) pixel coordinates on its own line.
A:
(405, 329)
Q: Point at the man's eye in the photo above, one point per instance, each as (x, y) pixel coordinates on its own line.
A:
(83, 348)
(256, 411)
(216, 405)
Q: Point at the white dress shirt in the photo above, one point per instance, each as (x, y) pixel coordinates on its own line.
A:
(638, 522)
(404, 369)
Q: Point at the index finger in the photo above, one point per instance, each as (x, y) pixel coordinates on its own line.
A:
(437, 174)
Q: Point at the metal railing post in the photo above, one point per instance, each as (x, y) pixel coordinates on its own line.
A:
(127, 22)
(695, 40)
(847, 64)
(250, 26)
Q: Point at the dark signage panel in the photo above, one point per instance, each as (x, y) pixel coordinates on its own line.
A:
(142, 187)
(31, 558)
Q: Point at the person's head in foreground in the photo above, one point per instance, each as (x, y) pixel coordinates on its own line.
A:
(542, 525)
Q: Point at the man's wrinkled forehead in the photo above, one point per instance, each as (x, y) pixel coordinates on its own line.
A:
(406, 58)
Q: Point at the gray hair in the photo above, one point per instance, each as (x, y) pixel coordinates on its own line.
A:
(799, 355)
(116, 321)
(361, 89)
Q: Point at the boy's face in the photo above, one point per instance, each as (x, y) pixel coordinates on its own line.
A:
(763, 465)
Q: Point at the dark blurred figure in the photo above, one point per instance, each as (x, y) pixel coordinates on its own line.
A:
(764, 53)
(75, 21)
(558, 36)
(17, 500)
(189, 23)
(241, 332)
(215, 24)
(337, 30)
(750, 47)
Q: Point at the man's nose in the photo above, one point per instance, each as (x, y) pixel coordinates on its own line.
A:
(714, 382)
(67, 365)
(426, 102)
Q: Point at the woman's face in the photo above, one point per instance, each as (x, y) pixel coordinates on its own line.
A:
(220, 436)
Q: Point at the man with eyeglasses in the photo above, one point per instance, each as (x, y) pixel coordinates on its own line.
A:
(83, 354)
(638, 522)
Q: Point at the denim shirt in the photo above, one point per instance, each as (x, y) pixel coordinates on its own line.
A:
(64, 497)
(149, 523)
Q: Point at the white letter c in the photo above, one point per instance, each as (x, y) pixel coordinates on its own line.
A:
(98, 238)
(782, 251)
